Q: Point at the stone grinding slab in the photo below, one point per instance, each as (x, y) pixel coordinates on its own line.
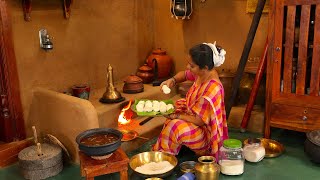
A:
(40, 167)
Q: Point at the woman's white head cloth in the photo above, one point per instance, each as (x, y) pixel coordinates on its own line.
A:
(218, 58)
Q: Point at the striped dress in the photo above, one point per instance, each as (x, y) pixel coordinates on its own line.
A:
(206, 101)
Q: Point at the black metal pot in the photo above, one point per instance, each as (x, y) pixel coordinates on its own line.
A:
(99, 150)
(312, 145)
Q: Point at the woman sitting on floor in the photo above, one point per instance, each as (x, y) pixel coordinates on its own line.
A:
(199, 121)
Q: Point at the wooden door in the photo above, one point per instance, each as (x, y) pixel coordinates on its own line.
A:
(11, 117)
(293, 70)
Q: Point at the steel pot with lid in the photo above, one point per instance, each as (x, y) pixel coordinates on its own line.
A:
(133, 84)
(312, 145)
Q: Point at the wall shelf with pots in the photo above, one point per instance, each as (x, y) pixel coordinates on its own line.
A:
(26, 6)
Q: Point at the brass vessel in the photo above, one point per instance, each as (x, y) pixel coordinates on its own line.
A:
(152, 156)
(206, 168)
(111, 95)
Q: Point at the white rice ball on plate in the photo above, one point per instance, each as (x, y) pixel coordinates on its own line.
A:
(148, 109)
(141, 102)
(148, 103)
(148, 106)
(169, 106)
(140, 107)
(163, 107)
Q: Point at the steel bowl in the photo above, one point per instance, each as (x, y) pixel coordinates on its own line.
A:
(152, 156)
(187, 166)
(273, 148)
(101, 150)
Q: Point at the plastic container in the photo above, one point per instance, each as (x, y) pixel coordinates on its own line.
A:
(254, 151)
(231, 159)
(187, 176)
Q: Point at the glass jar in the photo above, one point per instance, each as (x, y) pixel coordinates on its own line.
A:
(231, 159)
(254, 151)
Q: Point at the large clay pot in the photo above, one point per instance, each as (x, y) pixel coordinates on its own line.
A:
(163, 61)
(145, 73)
(133, 84)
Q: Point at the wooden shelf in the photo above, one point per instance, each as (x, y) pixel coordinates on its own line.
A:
(26, 6)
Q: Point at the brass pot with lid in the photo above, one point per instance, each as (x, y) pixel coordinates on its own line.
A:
(133, 84)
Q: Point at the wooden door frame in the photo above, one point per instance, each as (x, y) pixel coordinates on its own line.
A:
(11, 114)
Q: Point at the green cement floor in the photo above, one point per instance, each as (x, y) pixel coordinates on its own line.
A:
(292, 165)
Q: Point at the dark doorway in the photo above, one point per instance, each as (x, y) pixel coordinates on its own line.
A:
(11, 114)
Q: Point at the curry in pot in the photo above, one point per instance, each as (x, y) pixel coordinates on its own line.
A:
(99, 139)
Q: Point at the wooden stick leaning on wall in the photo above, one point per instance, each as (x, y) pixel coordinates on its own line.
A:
(255, 88)
(245, 54)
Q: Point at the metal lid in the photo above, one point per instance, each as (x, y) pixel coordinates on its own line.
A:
(314, 137)
(232, 143)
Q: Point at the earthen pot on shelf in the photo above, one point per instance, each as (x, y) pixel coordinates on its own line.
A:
(163, 61)
(145, 73)
(133, 84)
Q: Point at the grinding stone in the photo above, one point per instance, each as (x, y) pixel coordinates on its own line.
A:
(40, 167)
(42, 173)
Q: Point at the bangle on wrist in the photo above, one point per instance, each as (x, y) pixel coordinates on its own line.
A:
(174, 80)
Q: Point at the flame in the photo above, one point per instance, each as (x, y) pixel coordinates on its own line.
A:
(123, 117)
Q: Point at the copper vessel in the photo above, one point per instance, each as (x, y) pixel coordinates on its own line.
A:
(145, 73)
(207, 169)
(133, 84)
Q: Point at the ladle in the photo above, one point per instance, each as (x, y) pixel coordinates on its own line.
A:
(129, 135)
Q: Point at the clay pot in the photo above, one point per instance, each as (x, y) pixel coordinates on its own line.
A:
(133, 84)
(145, 73)
(160, 62)
(81, 91)
(99, 150)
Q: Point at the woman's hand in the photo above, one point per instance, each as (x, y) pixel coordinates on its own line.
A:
(170, 83)
(172, 116)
